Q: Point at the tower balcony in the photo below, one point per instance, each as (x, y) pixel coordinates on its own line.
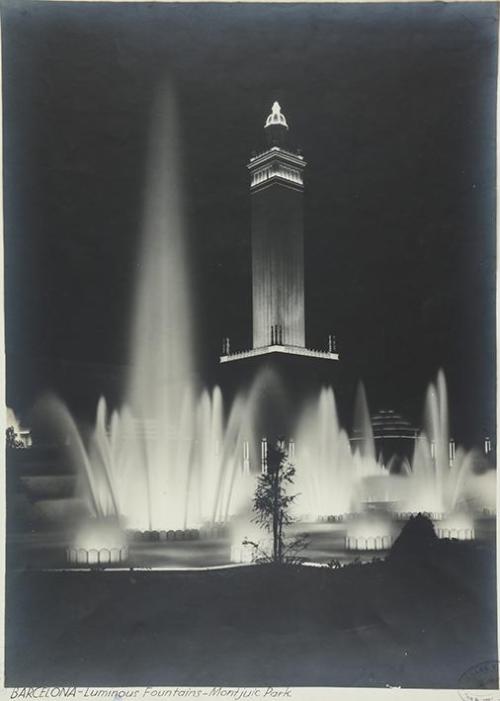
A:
(276, 165)
(279, 348)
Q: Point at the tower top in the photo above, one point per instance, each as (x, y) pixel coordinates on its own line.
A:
(276, 117)
(278, 164)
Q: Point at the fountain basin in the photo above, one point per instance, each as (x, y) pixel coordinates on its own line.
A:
(94, 556)
(370, 531)
(406, 515)
(163, 536)
(333, 518)
(456, 533)
(383, 542)
(99, 541)
(243, 553)
(459, 526)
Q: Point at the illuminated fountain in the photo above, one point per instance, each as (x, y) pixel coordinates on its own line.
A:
(329, 473)
(160, 409)
(173, 459)
(167, 460)
(334, 477)
(458, 525)
(373, 531)
(442, 478)
(98, 542)
(338, 479)
(323, 461)
(436, 478)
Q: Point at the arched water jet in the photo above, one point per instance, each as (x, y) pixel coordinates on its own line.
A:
(323, 461)
(436, 483)
(330, 471)
(362, 432)
(332, 478)
(57, 420)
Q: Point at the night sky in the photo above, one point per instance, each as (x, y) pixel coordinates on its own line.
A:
(394, 109)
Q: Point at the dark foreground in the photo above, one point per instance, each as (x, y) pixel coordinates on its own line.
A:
(409, 624)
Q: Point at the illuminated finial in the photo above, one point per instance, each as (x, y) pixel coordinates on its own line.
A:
(276, 116)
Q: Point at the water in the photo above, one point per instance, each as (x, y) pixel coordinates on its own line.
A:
(336, 476)
(440, 477)
(166, 460)
(329, 472)
(160, 397)
(217, 459)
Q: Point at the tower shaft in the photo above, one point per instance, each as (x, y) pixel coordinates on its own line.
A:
(277, 240)
(278, 265)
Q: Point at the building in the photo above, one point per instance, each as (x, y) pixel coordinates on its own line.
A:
(277, 239)
(394, 438)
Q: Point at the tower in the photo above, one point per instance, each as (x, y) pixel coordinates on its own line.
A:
(277, 240)
(277, 236)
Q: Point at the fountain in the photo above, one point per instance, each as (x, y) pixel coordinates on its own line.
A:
(165, 461)
(98, 542)
(337, 481)
(458, 525)
(442, 478)
(370, 532)
(174, 460)
(330, 474)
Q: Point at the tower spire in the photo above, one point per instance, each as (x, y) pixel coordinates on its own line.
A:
(276, 127)
(276, 117)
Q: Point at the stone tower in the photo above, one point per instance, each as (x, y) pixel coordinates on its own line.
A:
(277, 238)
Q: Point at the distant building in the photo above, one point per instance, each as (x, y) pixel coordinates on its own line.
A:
(394, 438)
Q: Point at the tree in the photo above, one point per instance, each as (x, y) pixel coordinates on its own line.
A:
(11, 439)
(271, 505)
(416, 543)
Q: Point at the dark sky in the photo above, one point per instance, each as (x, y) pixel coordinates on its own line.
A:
(394, 109)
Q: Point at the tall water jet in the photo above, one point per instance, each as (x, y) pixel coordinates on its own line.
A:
(324, 464)
(244, 433)
(362, 432)
(437, 483)
(332, 473)
(160, 394)
(162, 453)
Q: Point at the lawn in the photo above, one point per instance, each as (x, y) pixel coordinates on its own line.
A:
(409, 624)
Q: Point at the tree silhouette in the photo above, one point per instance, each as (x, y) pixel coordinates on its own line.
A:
(271, 505)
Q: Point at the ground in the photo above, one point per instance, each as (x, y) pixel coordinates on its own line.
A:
(377, 624)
